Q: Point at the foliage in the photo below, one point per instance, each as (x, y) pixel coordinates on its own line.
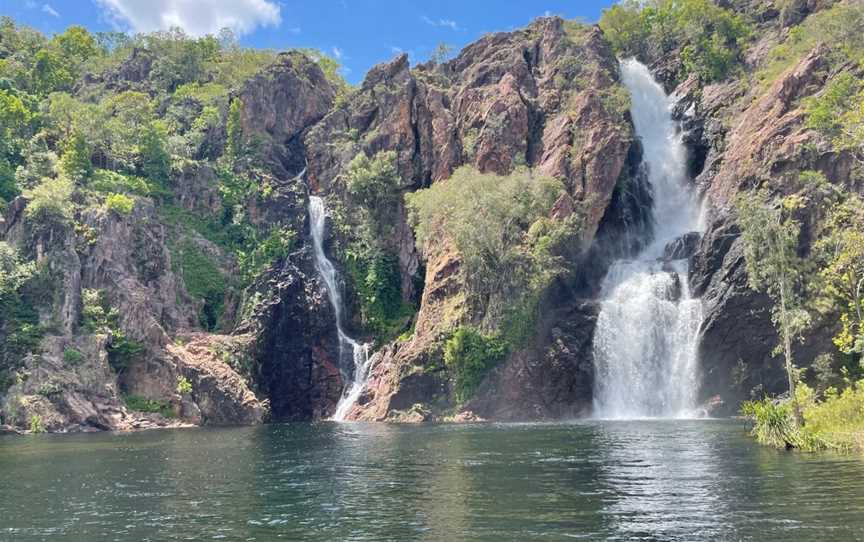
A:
(770, 237)
(36, 424)
(469, 356)
(107, 181)
(838, 112)
(203, 279)
(75, 162)
(20, 331)
(50, 201)
(840, 253)
(442, 53)
(773, 423)
(152, 406)
(234, 128)
(98, 317)
(120, 204)
(710, 37)
(488, 218)
(837, 28)
(183, 385)
(373, 182)
(376, 276)
(72, 356)
(276, 246)
(836, 422)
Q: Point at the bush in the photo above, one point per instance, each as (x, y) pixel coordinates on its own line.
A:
(711, 38)
(204, 281)
(120, 204)
(838, 28)
(72, 356)
(36, 424)
(377, 278)
(469, 356)
(151, 406)
(50, 201)
(373, 181)
(107, 181)
(489, 217)
(20, 330)
(122, 351)
(183, 385)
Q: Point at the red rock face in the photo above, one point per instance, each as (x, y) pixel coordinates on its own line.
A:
(532, 97)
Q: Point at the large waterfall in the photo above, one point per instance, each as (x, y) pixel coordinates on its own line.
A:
(645, 343)
(357, 353)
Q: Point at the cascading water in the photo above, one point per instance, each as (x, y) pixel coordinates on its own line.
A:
(359, 352)
(645, 342)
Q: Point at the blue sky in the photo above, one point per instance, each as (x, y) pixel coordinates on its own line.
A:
(360, 33)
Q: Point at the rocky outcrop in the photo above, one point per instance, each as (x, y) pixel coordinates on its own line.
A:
(541, 97)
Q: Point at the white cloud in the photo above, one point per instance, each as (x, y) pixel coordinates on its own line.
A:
(49, 10)
(337, 53)
(446, 23)
(195, 17)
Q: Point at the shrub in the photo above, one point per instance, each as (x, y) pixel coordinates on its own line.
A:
(50, 201)
(151, 406)
(107, 181)
(204, 281)
(711, 38)
(373, 181)
(377, 278)
(183, 385)
(122, 351)
(120, 204)
(488, 217)
(72, 356)
(469, 356)
(36, 424)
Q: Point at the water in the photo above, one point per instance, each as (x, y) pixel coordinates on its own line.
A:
(359, 353)
(645, 344)
(652, 480)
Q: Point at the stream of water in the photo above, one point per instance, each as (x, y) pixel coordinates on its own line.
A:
(356, 353)
(645, 344)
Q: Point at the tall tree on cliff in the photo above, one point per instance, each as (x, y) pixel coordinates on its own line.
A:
(770, 237)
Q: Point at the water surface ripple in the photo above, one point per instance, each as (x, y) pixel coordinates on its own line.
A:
(641, 480)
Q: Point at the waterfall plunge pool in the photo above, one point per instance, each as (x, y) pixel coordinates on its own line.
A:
(648, 480)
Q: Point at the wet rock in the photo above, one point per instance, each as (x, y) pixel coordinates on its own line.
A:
(682, 248)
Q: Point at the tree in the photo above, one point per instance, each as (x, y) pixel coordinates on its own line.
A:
(624, 27)
(155, 160)
(840, 250)
(442, 53)
(75, 162)
(234, 128)
(770, 237)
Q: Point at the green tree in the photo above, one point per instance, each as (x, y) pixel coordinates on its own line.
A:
(75, 161)
(155, 160)
(234, 128)
(770, 238)
(840, 251)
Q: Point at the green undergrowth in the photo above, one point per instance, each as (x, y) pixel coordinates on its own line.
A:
(150, 406)
(833, 422)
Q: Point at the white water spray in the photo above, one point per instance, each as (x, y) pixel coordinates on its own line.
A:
(645, 343)
(359, 352)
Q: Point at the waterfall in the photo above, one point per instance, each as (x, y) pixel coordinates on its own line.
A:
(645, 343)
(359, 353)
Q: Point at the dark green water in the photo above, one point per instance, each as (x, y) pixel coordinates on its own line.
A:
(682, 480)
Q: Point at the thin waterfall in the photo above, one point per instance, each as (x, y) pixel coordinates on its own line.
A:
(359, 353)
(645, 343)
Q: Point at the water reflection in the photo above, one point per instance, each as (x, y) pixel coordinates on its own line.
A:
(693, 480)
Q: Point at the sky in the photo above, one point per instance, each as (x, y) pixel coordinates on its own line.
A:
(359, 33)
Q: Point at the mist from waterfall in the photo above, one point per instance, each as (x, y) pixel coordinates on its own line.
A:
(646, 339)
(359, 353)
